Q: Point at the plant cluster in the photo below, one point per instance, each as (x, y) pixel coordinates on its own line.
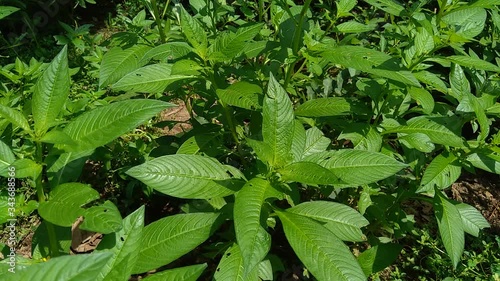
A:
(314, 121)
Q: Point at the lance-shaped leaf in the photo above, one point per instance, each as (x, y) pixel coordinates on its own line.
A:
(389, 6)
(106, 123)
(228, 44)
(7, 157)
(485, 160)
(149, 79)
(194, 33)
(299, 141)
(231, 267)
(24, 168)
(324, 255)
(468, 22)
(170, 51)
(169, 238)
(67, 167)
(242, 94)
(50, 93)
(118, 62)
(124, 245)
(436, 132)
(67, 268)
(342, 220)
(15, 117)
(187, 176)
(278, 123)
(104, 218)
(333, 106)
(442, 172)
(472, 220)
(363, 136)
(65, 203)
(7, 10)
(450, 227)
(308, 173)
(473, 63)
(186, 273)
(252, 238)
(357, 167)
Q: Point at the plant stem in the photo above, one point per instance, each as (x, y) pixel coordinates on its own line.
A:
(156, 13)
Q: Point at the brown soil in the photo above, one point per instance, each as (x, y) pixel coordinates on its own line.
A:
(179, 117)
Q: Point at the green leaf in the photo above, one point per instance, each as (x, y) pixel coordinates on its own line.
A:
(265, 270)
(324, 255)
(363, 136)
(24, 168)
(466, 22)
(340, 219)
(390, 6)
(419, 141)
(423, 98)
(40, 245)
(228, 45)
(442, 172)
(299, 141)
(378, 257)
(431, 79)
(253, 239)
(354, 27)
(104, 218)
(198, 144)
(67, 167)
(186, 273)
(458, 81)
(106, 123)
(57, 137)
(187, 176)
(262, 150)
(278, 123)
(169, 238)
(65, 203)
(124, 245)
(170, 51)
(371, 61)
(487, 160)
(67, 268)
(450, 227)
(6, 156)
(472, 220)
(357, 167)
(7, 10)
(193, 31)
(436, 132)
(118, 62)
(15, 117)
(473, 63)
(50, 93)
(315, 142)
(344, 7)
(231, 267)
(307, 173)
(333, 106)
(149, 79)
(242, 94)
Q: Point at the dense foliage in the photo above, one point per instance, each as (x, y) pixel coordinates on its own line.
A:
(314, 121)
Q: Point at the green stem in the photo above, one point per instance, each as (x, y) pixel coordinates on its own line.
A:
(156, 13)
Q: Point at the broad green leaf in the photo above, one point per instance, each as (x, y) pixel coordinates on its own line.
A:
(342, 220)
(450, 227)
(419, 141)
(7, 10)
(242, 94)
(472, 220)
(15, 117)
(482, 119)
(390, 6)
(186, 273)
(307, 173)
(263, 151)
(40, 245)
(231, 267)
(228, 45)
(169, 238)
(149, 79)
(118, 62)
(324, 255)
(167, 52)
(423, 98)
(363, 136)
(436, 132)
(265, 271)
(378, 257)
(24, 168)
(424, 42)
(299, 141)
(278, 123)
(187, 176)
(193, 31)
(253, 239)
(104, 218)
(57, 137)
(473, 63)
(442, 172)
(124, 245)
(65, 203)
(354, 27)
(458, 81)
(198, 143)
(344, 7)
(370, 61)
(315, 142)
(6, 156)
(67, 167)
(483, 3)
(50, 93)
(104, 124)
(333, 106)
(67, 268)
(487, 160)
(431, 79)
(466, 22)
(186, 67)
(357, 167)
